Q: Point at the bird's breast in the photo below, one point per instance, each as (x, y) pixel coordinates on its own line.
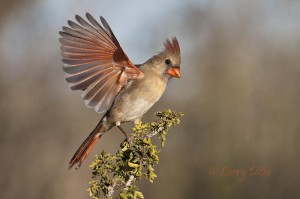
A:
(137, 99)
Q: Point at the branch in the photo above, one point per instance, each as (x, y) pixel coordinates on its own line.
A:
(136, 159)
(129, 181)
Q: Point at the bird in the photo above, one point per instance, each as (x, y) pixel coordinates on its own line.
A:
(95, 63)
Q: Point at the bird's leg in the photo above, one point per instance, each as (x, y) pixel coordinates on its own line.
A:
(123, 132)
(129, 139)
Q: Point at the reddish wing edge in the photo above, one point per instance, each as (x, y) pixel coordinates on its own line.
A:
(95, 62)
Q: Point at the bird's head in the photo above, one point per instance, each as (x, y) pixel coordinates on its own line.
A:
(168, 61)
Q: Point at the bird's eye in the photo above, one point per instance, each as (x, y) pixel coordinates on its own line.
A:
(167, 61)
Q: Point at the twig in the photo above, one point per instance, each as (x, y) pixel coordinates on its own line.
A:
(129, 181)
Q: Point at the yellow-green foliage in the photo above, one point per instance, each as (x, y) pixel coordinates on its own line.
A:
(119, 174)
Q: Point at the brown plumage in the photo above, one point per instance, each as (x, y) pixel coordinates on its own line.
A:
(96, 64)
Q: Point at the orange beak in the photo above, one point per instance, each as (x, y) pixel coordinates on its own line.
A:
(174, 72)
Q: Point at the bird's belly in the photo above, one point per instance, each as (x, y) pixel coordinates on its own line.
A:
(133, 103)
(134, 109)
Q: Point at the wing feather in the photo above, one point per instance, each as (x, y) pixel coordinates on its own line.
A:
(95, 62)
(97, 96)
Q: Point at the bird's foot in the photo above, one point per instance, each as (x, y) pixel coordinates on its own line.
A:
(130, 140)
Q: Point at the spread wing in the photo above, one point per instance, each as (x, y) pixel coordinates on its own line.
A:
(95, 62)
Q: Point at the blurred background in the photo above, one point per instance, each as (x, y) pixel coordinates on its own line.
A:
(240, 92)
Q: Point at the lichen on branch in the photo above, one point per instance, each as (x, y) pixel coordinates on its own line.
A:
(118, 174)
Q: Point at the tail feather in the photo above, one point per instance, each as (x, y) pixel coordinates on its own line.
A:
(86, 147)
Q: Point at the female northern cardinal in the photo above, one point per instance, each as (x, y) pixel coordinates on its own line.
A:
(96, 64)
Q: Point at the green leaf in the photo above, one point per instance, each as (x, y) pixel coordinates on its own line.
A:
(147, 140)
(133, 165)
(139, 194)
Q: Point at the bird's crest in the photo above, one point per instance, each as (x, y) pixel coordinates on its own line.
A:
(172, 46)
